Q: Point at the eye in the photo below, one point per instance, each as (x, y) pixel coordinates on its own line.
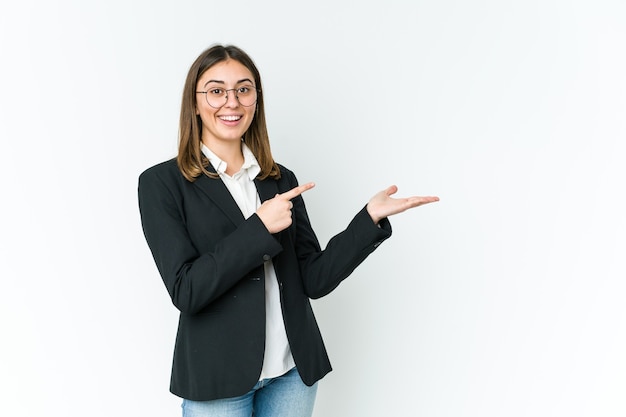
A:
(244, 90)
(216, 91)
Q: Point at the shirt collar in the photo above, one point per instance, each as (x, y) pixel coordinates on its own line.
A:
(250, 164)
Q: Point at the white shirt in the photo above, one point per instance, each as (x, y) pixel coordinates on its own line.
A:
(278, 359)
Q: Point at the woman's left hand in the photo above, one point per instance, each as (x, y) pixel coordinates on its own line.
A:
(383, 205)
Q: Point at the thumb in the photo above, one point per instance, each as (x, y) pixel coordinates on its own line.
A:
(391, 190)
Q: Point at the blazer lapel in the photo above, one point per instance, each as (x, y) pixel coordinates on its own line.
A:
(267, 188)
(215, 189)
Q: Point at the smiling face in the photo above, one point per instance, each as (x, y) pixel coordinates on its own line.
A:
(226, 125)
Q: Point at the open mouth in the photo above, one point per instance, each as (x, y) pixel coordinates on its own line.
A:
(230, 118)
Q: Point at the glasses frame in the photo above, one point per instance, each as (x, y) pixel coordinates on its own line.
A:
(206, 97)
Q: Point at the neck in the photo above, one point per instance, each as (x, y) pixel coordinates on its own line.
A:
(229, 152)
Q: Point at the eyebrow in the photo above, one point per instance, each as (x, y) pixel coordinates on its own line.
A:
(222, 82)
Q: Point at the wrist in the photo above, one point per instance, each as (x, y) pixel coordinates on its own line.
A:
(376, 219)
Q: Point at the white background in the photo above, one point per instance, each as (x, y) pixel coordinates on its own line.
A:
(506, 298)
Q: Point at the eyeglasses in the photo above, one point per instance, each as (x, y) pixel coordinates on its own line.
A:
(217, 97)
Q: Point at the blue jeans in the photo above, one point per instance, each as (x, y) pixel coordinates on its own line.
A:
(283, 396)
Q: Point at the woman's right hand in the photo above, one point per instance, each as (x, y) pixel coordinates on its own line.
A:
(275, 213)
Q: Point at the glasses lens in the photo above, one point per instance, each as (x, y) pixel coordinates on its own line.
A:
(246, 95)
(216, 97)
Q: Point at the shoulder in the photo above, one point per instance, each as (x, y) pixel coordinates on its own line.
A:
(163, 175)
(164, 170)
(287, 175)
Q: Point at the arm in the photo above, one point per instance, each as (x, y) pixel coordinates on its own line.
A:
(323, 271)
(195, 278)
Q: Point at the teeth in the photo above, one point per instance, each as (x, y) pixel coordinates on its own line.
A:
(230, 118)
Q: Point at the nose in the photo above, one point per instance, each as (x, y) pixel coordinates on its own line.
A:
(231, 98)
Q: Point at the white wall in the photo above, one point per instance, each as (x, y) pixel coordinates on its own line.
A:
(506, 298)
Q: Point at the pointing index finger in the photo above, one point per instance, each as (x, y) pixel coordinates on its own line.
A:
(296, 191)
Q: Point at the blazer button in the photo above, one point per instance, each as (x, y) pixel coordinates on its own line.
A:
(266, 257)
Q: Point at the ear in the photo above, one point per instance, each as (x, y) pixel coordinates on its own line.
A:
(197, 111)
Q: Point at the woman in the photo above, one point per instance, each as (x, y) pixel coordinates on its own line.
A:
(231, 238)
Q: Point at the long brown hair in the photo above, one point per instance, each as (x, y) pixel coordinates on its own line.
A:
(191, 161)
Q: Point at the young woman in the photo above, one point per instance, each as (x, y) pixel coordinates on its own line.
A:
(231, 238)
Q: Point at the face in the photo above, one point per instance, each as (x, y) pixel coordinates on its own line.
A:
(227, 124)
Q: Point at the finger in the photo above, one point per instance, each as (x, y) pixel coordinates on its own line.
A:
(296, 191)
(418, 201)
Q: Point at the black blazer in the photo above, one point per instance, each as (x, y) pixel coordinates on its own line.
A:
(211, 261)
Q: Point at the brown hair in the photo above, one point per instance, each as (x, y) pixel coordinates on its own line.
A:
(191, 161)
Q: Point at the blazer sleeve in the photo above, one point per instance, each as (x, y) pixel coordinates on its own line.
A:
(323, 270)
(195, 279)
